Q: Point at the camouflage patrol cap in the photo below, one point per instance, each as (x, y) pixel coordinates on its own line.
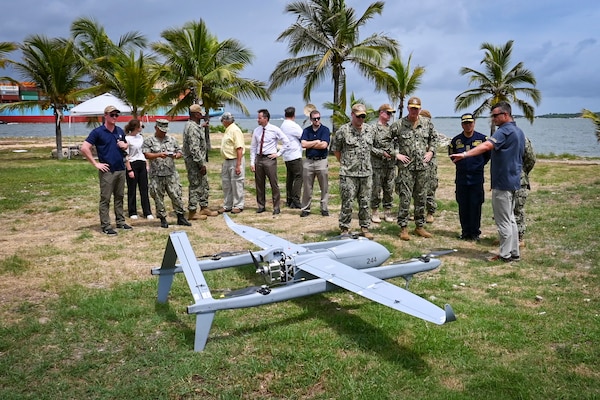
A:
(359, 109)
(163, 125)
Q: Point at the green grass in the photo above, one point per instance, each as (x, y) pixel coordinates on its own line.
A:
(80, 318)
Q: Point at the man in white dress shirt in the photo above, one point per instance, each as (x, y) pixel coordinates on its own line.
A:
(292, 158)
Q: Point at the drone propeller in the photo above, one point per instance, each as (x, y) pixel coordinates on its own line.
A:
(436, 253)
(218, 256)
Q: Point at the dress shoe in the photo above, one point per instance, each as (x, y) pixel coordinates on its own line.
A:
(422, 232)
(404, 233)
(182, 221)
(260, 210)
(223, 210)
(236, 210)
(163, 222)
(276, 211)
(498, 258)
(124, 226)
(305, 213)
(325, 213)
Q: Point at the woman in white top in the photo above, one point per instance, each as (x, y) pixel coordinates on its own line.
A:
(137, 170)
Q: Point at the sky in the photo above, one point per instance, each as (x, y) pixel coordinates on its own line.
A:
(557, 40)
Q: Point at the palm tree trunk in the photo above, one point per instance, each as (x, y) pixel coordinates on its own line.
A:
(58, 134)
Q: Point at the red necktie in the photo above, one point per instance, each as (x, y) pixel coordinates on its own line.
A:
(262, 141)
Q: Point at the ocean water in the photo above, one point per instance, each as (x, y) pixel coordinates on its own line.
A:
(548, 135)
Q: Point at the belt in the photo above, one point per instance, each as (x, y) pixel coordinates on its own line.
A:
(264, 155)
(316, 158)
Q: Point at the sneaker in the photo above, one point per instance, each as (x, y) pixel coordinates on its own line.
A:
(150, 216)
(124, 226)
(236, 210)
(109, 232)
(515, 258)
(133, 217)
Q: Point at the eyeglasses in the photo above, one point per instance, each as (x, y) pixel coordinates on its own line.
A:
(316, 119)
(115, 115)
(361, 116)
(495, 115)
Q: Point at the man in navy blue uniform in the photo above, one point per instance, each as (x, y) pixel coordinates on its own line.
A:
(469, 178)
(507, 146)
(110, 144)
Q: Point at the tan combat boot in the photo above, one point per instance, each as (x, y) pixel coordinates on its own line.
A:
(422, 232)
(404, 233)
(207, 212)
(429, 218)
(194, 216)
(375, 216)
(365, 232)
(344, 232)
(387, 215)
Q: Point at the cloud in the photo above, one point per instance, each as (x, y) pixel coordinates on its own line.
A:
(556, 40)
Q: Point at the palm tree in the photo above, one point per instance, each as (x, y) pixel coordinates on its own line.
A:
(97, 48)
(54, 66)
(323, 38)
(201, 69)
(499, 83)
(5, 48)
(132, 79)
(400, 83)
(595, 119)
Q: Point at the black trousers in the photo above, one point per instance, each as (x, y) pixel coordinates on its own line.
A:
(469, 199)
(293, 182)
(140, 180)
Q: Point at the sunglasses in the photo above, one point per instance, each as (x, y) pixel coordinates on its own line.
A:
(361, 116)
(389, 112)
(316, 119)
(114, 115)
(495, 115)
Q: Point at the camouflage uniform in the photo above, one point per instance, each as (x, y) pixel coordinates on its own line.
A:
(432, 179)
(412, 180)
(521, 194)
(356, 174)
(384, 169)
(194, 153)
(163, 174)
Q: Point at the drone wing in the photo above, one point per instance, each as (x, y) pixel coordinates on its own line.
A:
(376, 289)
(264, 240)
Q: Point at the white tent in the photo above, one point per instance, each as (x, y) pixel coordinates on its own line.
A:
(96, 106)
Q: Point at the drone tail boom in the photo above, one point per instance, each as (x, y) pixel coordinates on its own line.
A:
(179, 247)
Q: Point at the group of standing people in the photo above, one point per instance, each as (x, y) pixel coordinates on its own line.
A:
(375, 160)
(148, 164)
